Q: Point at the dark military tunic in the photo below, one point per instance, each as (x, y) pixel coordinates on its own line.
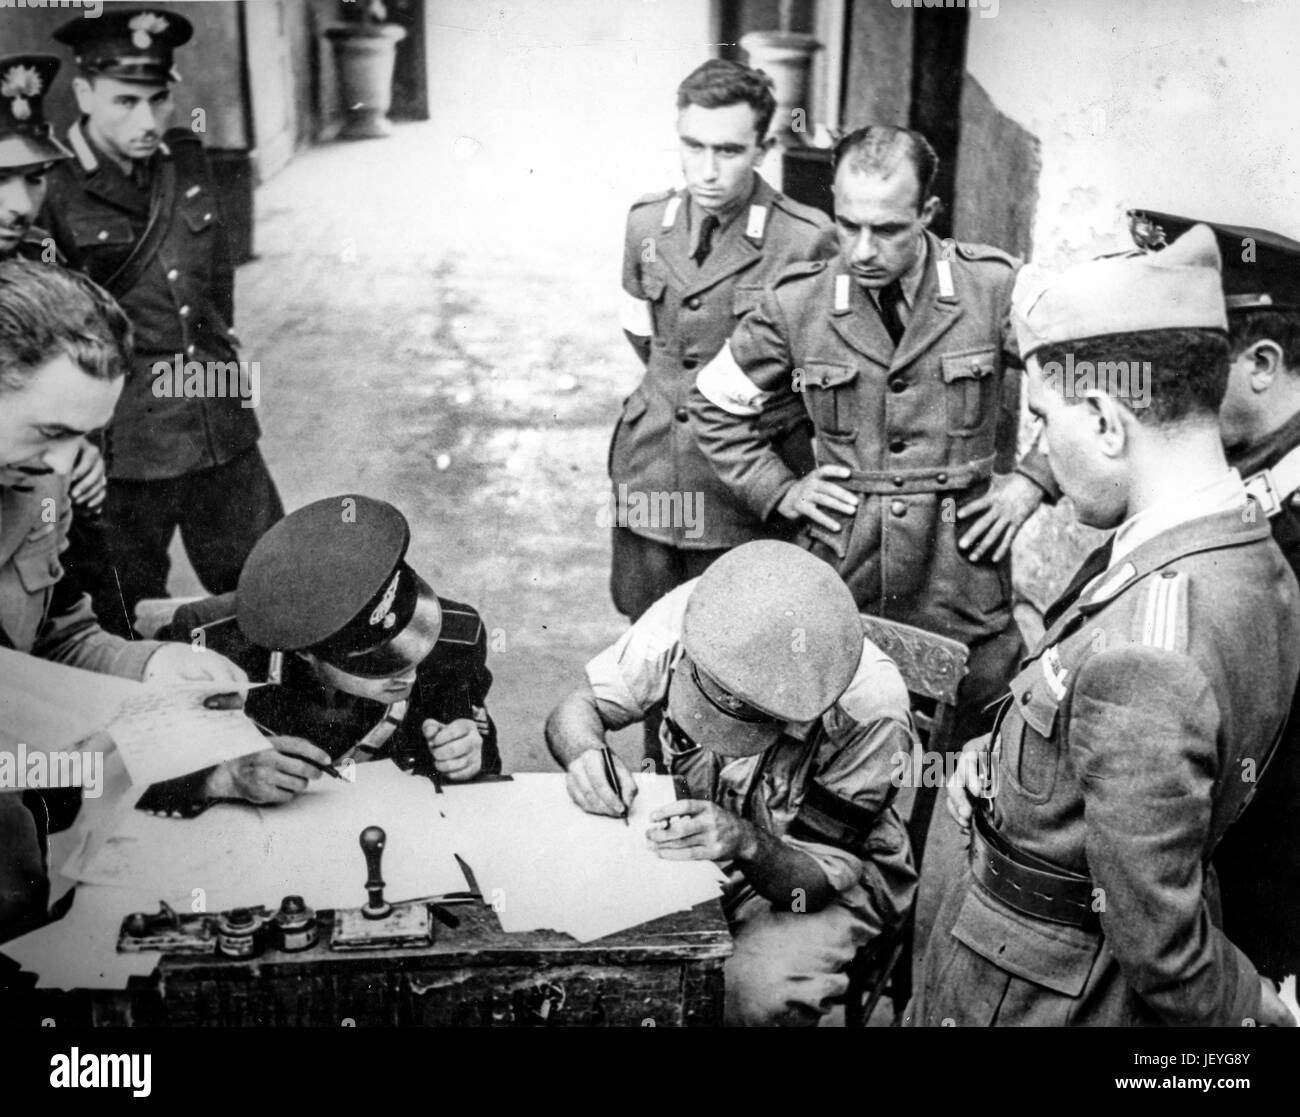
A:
(1259, 861)
(452, 683)
(693, 310)
(1118, 766)
(182, 304)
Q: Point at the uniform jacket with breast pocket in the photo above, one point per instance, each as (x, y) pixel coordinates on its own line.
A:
(693, 311)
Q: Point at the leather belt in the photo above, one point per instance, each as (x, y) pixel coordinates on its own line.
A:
(931, 479)
(1055, 896)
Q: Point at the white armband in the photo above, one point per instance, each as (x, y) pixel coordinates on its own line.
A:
(723, 383)
(634, 316)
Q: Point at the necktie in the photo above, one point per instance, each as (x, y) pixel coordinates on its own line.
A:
(1094, 565)
(707, 228)
(890, 297)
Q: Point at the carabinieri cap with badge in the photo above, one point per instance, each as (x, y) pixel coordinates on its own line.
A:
(331, 579)
(131, 45)
(25, 139)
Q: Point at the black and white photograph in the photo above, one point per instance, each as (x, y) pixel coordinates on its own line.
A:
(650, 514)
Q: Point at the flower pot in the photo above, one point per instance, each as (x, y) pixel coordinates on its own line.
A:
(786, 57)
(365, 55)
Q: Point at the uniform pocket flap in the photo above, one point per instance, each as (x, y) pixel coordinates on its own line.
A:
(198, 217)
(827, 374)
(653, 285)
(39, 568)
(747, 298)
(634, 406)
(1034, 698)
(88, 231)
(971, 364)
(1053, 955)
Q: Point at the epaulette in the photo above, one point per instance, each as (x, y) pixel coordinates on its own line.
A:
(1160, 620)
(810, 215)
(650, 199)
(800, 270)
(986, 252)
(460, 625)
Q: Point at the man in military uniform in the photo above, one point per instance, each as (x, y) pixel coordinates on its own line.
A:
(899, 353)
(137, 211)
(366, 660)
(784, 723)
(695, 260)
(1259, 861)
(27, 151)
(63, 351)
(1128, 742)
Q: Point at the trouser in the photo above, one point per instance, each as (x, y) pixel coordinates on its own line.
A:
(641, 571)
(788, 966)
(220, 512)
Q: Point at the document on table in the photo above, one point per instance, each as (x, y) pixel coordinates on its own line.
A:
(543, 862)
(239, 855)
(79, 951)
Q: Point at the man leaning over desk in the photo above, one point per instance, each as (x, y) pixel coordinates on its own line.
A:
(64, 346)
(784, 723)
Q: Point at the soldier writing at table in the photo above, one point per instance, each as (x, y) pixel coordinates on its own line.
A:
(784, 723)
(365, 661)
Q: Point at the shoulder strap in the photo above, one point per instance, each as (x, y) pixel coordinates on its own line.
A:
(146, 248)
(1272, 488)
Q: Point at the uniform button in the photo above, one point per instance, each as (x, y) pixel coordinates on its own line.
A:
(694, 302)
(1027, 697)
(689, 363)
(897, 385)
(54, 568)
(898, 507)
(185, 311)
(942, 478)
(974, 366)
(898, 482)
(103, 234)
(189, 350)
(173, 275)
(897, 446)
(682, 415)
(208, 217)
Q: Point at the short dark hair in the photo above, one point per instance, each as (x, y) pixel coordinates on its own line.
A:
(879, 148)
(1245, 327)
(1188, 377)
(48, 311)
(718, 83)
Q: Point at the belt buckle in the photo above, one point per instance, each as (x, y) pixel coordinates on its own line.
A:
(1264, 492)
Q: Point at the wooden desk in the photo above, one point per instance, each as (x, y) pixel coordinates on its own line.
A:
(667, 973)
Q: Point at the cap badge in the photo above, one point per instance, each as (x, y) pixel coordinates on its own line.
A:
(19, 84)
(144, 26)
(382, 614)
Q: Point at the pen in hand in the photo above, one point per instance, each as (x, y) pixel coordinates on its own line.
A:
(611, 775)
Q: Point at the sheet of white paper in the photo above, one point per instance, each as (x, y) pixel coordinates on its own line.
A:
(50, 706)
(236, 855)
(1287, 993)
(163, 730)
(542, 862)
(80, 950)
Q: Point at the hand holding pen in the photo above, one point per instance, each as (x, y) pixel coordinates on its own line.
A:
(592, 788)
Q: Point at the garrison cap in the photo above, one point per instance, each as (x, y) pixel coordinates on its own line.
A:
(331, 579)
(777, 637)
(25, 138)
(1261, 269)
(1178, 287)
(131, 45)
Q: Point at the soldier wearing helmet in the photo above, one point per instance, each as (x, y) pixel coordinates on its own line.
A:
(783, 724)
